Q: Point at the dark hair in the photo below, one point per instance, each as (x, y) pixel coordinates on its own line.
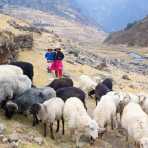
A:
(49, 49)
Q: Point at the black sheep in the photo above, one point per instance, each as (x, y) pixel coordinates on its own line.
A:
(100, 91)
(26, 67)
(68, 92)
(61, 83)
(109, 83)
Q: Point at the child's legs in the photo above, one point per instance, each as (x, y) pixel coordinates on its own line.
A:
(60, 73)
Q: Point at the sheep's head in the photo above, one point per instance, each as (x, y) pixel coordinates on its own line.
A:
(143, 142)
(10, 109)
(93, 130)
(35, 108)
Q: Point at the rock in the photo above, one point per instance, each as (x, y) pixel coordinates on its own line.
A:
(13, 138)
(125, 77)
(2, 128)
(24, 41)
(39, 140)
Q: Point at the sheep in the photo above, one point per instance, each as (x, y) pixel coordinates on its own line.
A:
(125, 98)
(13, 86)
(26, 67)
(10, 70)
(27, 99)
(86, 83)
(100, 91)
(143, 101)
(48, 112)
(78, 120)
(105, 112)
(135, 122)
(68, 92)
(108, 82)
(60, 83)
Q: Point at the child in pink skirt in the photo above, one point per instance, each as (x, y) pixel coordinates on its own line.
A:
(58, 64)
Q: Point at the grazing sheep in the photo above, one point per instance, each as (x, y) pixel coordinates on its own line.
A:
(13, 86)
(26, 67)
(10, 70)
(68, 92)
(60, 83)
(48, 112)
(86, 83)
(105, 112)
(28, 98)
(100, 91)
(135, 122)
(108, 82)
(144, 101)
(79, 122)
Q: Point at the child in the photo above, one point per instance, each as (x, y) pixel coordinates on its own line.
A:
(50, 57)
(59, 63)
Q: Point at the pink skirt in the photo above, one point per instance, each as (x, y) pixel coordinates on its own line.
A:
(56, 65)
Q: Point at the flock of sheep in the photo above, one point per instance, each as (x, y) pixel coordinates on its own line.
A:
(62, 101)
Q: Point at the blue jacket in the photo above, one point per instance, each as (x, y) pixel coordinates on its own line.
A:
(50, 56)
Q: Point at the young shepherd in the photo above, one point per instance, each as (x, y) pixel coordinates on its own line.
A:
(79, 122)
(48, 112)
(135, 122)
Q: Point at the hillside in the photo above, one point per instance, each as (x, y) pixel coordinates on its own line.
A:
(135, 35)
(73, 34)
(65, 8)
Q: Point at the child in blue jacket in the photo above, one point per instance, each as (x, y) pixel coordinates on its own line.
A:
(50, 56)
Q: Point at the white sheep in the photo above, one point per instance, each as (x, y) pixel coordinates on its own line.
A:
(9, 70)
(13, 85)
(79, 122)
(86, 83)
(135, 122)
(143, 101)
(105, 111)
(48, 112)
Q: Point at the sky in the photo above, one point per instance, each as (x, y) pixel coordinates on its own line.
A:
(114, 15)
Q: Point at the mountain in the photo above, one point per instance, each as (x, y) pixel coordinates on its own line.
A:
(134, 34)
(64, 8)
(114, 15)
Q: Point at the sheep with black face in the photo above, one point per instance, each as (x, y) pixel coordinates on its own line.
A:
(48, 112)
(23, 103)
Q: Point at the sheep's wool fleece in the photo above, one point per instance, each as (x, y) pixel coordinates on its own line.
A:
(135, 120)
(75, 114)
(51, 110)
(104, 110)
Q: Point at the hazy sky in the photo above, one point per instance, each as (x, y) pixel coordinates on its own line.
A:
(114, 14)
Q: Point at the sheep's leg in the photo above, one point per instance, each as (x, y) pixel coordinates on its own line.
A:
(45, 129)
(85, 105)
(58, 124)
(127, 139)
(112, 123)
(34, 120)
(51, 130)
(77, 136)
(63, 125)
